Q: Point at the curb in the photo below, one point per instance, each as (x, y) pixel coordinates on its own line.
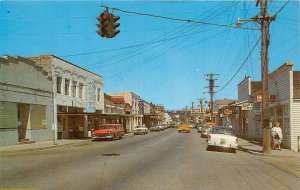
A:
(261, 154)
(46, 147)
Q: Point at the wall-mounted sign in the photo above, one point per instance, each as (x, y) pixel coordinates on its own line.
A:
(117, 99)
(256, 106)
(247, 106)
(272, 98)
(90, 95)
(227, 112)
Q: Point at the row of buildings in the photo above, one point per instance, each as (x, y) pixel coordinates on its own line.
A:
(47, 98)
(244, 114)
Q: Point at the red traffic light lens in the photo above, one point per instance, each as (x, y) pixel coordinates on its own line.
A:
(104, 16)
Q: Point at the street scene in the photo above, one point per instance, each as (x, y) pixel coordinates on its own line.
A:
(149, 95)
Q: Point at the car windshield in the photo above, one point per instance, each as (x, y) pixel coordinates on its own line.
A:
(206, 129)
(105, 127)
(222, 130)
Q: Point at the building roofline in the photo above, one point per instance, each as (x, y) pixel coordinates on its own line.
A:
(66, 62)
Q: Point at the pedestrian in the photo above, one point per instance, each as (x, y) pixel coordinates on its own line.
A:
(277, 135)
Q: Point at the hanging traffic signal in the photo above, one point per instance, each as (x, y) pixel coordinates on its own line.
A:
(103, 24)
(113, 25)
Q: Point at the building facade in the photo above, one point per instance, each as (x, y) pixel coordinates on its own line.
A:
(78, 96)
(133, 100)
(26, 102)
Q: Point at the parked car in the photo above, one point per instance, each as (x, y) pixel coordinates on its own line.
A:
(108, 131)
(154, 128)
(222, 137)
(184, 128)
(140, 130)
(199, 128)
(205, 130)
(162, 128)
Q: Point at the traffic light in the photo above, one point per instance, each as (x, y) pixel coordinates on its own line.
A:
(103, 24)
(113, 25)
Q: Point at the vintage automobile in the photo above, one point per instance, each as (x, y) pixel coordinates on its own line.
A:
(184, 128)
(207, 128)
(222, 137)
(154, 128)
(108, 131)
(140, 130)
(200, 127)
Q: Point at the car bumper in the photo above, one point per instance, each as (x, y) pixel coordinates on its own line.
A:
(139, 133)
(102, 137)
(214, 144)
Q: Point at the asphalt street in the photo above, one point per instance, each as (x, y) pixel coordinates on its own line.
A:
(160, 160)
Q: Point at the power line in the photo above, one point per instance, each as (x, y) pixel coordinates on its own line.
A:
(240, 66)
(177, 19)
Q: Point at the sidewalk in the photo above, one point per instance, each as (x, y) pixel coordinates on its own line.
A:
(42, 145)
(285, 159)
(46, 145)
(255, 148)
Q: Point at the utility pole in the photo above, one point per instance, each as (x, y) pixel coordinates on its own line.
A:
(265, 19)
(192, 112)
(201, 108)
(185, 119)
(211, 92)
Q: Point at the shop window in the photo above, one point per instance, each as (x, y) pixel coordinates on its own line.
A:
(38, 116)
(80, 90)
(98, 94)
(8, 115)
(273, 111)
(286, 109)
(279, 111)
(58, 85)
(67, 85)
(74, 88)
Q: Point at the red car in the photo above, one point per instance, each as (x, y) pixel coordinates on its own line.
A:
(108, 131)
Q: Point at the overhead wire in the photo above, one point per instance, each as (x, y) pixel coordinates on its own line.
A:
(240, 66)
(178, 35)
(176, 19)
(161, 53)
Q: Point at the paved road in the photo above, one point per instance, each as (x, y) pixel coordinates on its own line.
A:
(157, 161)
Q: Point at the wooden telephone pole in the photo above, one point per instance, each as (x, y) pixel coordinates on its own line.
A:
(211, 92)
(265, 19)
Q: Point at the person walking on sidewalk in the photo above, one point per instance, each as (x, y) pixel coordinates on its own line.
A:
(277, 136)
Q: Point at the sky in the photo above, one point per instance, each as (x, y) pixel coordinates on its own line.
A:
(164, 61)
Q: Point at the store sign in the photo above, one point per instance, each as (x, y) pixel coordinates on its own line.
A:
(272, 98)
(90, 95)
(195, 111)
(227, 112)
(256, 106)
(117, 99)
(247, 106)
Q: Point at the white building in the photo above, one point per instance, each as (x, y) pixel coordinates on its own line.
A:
(78, 96)
(284, 103)
(133, 101)
(284, 84)
(26, 102)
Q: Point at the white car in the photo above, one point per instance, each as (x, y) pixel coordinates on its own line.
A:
(222, 137)
(140, 131)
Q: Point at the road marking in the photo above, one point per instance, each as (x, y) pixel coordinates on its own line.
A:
(281, 166)
(163, 140)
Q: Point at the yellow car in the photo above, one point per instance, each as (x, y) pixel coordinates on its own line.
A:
(184, 128)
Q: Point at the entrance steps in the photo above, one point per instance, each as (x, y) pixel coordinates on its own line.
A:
(26, 141)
